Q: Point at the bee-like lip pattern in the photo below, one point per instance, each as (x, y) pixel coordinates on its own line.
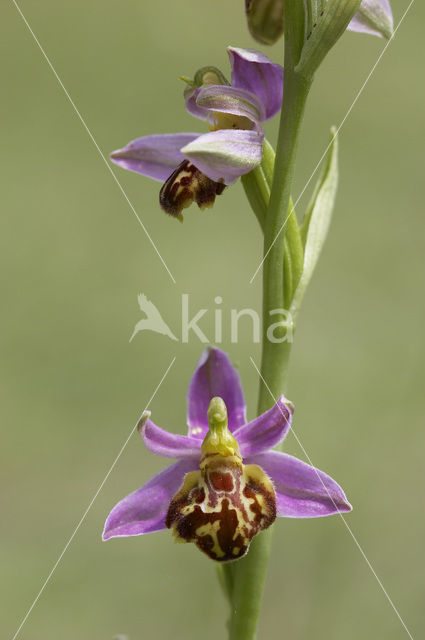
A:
(187, 185)
(222, 509)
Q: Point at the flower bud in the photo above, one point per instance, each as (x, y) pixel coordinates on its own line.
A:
(374, 17)
(265, 19)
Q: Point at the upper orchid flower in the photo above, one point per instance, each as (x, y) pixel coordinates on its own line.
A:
(196, 167)
(227, 484)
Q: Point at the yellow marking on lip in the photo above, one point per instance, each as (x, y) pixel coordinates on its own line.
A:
(211, 529)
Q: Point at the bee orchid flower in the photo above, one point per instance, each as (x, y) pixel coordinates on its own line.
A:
(196, 167)
(228, 484)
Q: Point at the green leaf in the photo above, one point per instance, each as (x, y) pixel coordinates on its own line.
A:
(313, 12)
(257, 184)
(293, 254)
(315, 225)
(258, 193)
(330, 24)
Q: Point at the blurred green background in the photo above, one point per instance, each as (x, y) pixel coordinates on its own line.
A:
(73, 259)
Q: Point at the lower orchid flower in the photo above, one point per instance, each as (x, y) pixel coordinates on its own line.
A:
(197, 167)
(228, 484)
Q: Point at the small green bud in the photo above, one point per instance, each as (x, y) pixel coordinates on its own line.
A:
(265, 19)
(375, 18)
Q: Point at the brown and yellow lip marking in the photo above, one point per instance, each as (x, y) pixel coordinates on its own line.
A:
(225, 504)
(187, 185)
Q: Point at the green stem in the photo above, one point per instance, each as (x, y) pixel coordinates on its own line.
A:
(275, 357)
(249, 573)
(225, 578)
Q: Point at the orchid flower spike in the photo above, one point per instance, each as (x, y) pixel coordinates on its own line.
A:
(228, 484)
(196, 167)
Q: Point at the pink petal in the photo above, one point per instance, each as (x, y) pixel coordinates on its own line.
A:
(238, 102)
(226, 154)
(267, 430)
(302, 491)
(169, 445)
(154, 156)
(255, 72)
(144, 510)
(214, 376)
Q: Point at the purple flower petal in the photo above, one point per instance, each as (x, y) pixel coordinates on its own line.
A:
(227, 154)
(302, 491)
(144, 510)
(381, 13)
(253, 71)
(169, 445)
(214, 376)
(192, 107)
(267, 430)
(238, 102)
(154, 156)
